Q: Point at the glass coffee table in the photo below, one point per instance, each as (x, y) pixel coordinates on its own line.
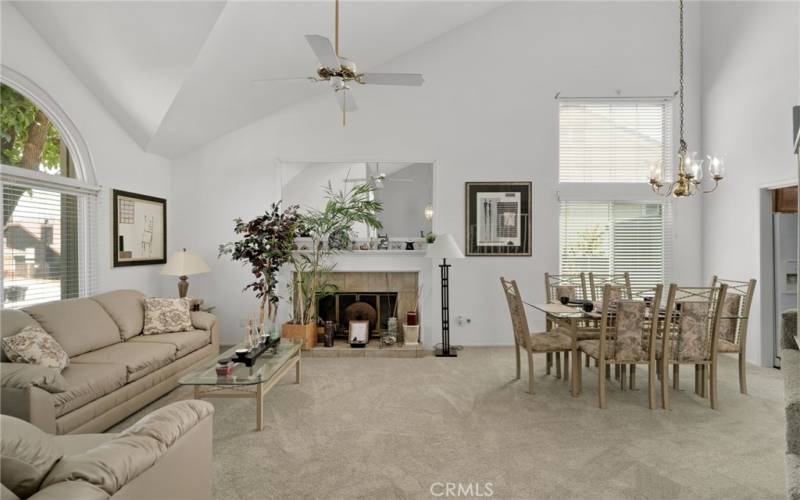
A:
(247, 382)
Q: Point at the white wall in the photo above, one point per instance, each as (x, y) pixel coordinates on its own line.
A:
(118, 161)
(750, 81)
(486, 112)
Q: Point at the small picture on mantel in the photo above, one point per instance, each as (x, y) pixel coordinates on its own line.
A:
(140, 229)
(498, 219)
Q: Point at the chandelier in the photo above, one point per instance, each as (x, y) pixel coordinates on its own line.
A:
(690, 167)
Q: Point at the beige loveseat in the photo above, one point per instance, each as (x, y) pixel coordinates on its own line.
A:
(114, 370)
(165, 455)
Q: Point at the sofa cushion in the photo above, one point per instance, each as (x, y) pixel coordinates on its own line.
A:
(6, 494)
(138, 358)
(87, 382)
(26, 455)
(78, 325)
(166, 315)
(33, 345)
(184, 342)
(11, 322)
(24, 375)
(126, 308)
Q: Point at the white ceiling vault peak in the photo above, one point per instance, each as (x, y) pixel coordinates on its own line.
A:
(178, 74)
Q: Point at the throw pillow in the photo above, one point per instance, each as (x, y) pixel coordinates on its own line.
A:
(34, 345)
(166, 316)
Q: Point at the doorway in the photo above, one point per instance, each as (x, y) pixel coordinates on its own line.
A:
(779, 263)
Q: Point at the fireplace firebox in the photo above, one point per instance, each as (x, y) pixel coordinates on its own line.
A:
(341, 307)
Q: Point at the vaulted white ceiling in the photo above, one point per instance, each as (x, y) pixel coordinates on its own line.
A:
(179, 74)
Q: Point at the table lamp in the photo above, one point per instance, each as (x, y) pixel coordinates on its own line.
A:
(444, 248)
(183, 264)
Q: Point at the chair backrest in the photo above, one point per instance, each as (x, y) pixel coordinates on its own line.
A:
(691, 323)
(519, 320)
(736, 309)
(628, 321)
(597, 281)
(564, 285)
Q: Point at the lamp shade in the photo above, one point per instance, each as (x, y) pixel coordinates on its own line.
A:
(184, 263)
(444, 247)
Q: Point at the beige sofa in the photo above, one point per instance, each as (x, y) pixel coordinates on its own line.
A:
(114, 370)
(165, 455)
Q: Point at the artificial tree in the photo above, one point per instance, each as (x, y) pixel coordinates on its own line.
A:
(342, 210)
(266, 244)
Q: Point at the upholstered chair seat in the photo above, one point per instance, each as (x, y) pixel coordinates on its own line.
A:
(725, 346)
(550, 342)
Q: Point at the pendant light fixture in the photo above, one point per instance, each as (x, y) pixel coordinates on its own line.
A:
(690, 167)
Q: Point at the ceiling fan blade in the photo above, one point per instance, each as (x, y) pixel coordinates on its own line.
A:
(284, 79)
(323, 49)
(346, 102)
(413, 79)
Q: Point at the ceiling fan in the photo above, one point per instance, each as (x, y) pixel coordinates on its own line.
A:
(379, 179)
(340, 72)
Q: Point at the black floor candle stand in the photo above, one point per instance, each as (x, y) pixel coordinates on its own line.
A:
(444, 351)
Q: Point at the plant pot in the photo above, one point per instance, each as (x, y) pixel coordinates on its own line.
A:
(307, 332)
(411, 334)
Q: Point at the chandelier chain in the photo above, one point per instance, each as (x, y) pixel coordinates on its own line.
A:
(680, 87)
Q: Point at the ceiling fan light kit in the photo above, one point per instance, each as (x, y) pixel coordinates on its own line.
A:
(340, 71)
(690, 168)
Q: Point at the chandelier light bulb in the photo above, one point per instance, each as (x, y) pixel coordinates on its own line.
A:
(656, 173)
(716, 167)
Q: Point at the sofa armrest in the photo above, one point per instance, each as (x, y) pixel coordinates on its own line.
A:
(206, 321)
(24, 375)
(113, 465)
(31, 404)
(71, 490)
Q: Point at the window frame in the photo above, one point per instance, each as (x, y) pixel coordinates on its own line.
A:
(84, 185)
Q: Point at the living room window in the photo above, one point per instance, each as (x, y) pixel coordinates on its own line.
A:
(614, 237)
(609, 222)
(49, 211)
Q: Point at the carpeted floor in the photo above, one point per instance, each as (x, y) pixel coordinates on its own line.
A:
(395, 428)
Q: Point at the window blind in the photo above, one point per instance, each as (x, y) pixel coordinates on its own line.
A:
(49, 238)
(612, 141)
(614, 237)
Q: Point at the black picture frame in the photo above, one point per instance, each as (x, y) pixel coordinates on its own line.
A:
(498, 219)
(120, 246)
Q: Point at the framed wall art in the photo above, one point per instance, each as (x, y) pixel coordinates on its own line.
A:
(139, 228)
(498, 218)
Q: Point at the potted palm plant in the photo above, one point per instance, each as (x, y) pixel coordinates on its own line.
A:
(266, 245)
(342, 209)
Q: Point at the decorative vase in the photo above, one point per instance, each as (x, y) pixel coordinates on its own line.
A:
(330, 330)
(338, 240)
(389, 337)
(411, 318)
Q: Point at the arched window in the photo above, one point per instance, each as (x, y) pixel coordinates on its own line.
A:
(49, 210)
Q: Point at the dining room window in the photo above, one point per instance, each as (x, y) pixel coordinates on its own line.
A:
(49, 209)
(614, 237)
(612, 140)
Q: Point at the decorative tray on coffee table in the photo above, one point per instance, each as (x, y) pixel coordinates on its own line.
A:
(252, 355)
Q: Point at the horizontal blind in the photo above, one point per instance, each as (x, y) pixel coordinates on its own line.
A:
(49, 240)
(612, 140)
(612, 238)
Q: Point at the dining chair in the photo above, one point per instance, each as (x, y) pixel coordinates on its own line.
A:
(733, 323)
(627, 338)
(572, 285)
(524, 339)
(688, 335)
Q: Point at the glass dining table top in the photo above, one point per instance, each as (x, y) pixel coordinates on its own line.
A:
(264, 367)
(558, 310)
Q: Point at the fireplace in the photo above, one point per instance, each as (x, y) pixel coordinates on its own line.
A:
(342, 307)
(373, 296)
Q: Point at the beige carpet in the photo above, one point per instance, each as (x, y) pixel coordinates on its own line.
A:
(391, 428)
